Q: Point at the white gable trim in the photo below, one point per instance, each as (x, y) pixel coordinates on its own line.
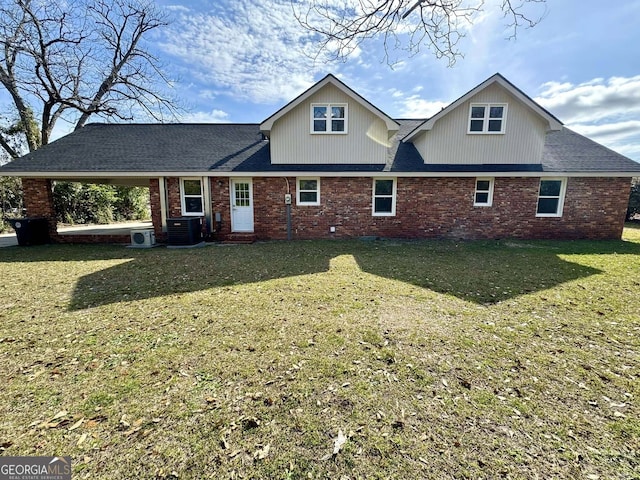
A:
(553, 122)
(265, 126)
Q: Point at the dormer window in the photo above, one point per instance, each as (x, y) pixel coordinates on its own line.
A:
(328, 118)
(487, 117)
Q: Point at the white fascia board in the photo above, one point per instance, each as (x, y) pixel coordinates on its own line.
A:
(387, 174)
(265, 126)
(554, 123)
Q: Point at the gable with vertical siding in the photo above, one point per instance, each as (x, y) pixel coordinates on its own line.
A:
(448, 142)
(365, 142)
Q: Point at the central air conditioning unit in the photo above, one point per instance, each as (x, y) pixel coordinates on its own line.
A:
(143, 238)
(184, 230)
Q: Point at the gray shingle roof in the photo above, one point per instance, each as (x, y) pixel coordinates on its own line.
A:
(201, 148)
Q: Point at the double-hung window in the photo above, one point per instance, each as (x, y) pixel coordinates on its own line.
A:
(487, 117)
(191, 196)
(551, 197)
(329, 118)
(384, 197)
(308, 191)
(483, 196)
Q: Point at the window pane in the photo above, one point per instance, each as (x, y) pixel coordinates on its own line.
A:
(319, 112)
(319, 125)
(477, 112)
(384, 187)
(192, 187)
(383, 205)
(482, 185)
(337, 112)
(548, 205)
(495, 125)
(337, 125)
(482, 197)
(496, 112)
(550, 188)
(193, 204)
(308, 184)
(308, 197)
(476, 125)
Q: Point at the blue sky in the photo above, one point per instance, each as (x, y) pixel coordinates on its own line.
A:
(241, 60)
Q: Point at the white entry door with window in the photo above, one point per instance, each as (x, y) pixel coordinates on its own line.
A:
(241, 205)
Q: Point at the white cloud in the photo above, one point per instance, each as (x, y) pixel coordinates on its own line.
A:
(207, 94)
(592, 101)
(177, 8)
(609, 131)
(214, 116)
(253, 51)
(415, 107)
(605, 110)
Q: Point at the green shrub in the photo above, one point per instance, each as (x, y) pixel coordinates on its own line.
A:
(634, 200)
(10, 201)
(92, 203)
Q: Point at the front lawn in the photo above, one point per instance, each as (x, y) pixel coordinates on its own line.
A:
(431, 359)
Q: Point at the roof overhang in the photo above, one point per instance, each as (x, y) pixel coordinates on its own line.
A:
(266, 125)
(552, 122)
(126, 178)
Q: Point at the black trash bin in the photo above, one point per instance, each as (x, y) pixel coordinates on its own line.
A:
(31, 230)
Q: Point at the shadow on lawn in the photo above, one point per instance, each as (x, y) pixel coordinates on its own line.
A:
(480, 272)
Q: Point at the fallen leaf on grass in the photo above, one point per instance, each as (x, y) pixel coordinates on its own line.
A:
(339, 442)
(262, 453)
(77, 424)
(137, 425)
(82, 438)
(60, 414)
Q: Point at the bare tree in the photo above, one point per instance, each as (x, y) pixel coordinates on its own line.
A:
(72, 60)
(342, 25)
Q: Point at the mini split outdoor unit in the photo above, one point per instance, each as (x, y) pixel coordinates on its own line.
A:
(143, 238)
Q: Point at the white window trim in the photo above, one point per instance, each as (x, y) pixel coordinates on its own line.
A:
(182, 197)
(298, 201)
(328, 120)
(485, 124)
(393, 198)
(563, 189)
(489, 202)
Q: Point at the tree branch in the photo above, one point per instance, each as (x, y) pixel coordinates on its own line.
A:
(341, 27)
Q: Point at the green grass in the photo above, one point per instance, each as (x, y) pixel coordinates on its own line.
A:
(437, 359)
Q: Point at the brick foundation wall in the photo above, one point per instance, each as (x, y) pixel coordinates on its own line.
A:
(38, 201)
(594, 208)
(94, 239)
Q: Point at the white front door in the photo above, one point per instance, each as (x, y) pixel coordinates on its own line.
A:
(241, 205)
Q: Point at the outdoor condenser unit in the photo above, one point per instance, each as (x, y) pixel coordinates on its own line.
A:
(143, 238)
(184, 231)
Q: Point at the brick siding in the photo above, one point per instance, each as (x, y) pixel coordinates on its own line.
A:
(38, 202)
(594, 208)
(156, 214)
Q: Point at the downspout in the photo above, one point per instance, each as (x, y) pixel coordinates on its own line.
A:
(287, 202)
